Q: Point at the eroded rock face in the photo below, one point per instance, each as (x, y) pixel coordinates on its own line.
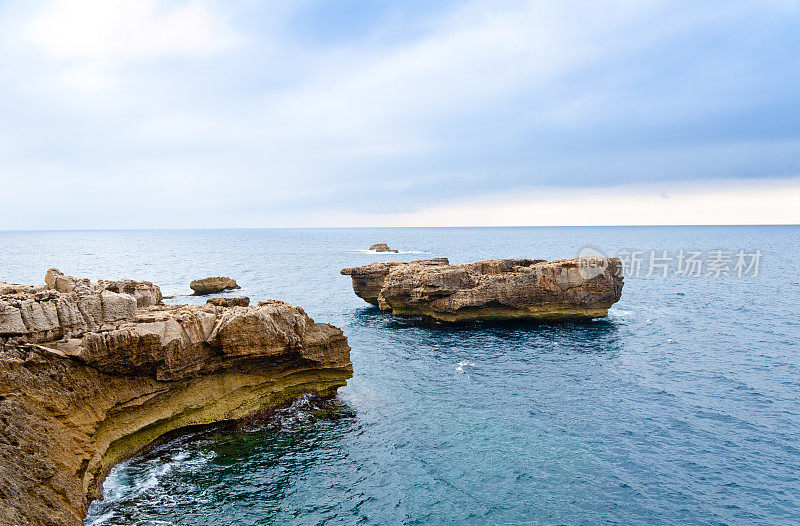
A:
(382, 247)
(201, 287)
(88, 378)
(66, 306)
(368, 279)
(493, 289)
(229, 302)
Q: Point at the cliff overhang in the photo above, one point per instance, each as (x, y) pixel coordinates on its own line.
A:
(91, 373)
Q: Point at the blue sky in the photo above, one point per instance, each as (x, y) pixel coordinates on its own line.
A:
(152, 113)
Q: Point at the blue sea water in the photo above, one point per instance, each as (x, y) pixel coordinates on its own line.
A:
(682, 407)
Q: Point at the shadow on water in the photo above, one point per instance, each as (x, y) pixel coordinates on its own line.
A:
(599, 335)
(372, 317)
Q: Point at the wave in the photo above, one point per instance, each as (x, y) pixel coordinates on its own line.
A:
(399, 252)
(128, 481)
(619, 313)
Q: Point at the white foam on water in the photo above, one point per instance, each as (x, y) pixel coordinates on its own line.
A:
(619, 313)
(301, 410)
(124, 480)
(97, 521)
(114, 485)
(461, 365)
(399, 252)
(153, 477)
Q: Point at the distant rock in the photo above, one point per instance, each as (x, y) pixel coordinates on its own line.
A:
(229, 302)
(201, 287)
(493, 289)
(382, 247)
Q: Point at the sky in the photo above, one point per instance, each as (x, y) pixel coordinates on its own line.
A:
(245, 113)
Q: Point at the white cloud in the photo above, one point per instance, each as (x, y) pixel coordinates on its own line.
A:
(88, 44)
(490, 95)
(124, 30)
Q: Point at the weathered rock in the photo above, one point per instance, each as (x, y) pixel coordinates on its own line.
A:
(382, 247)
(56, 280)
(229, 302)
(201, 287)
(67, 306)
(368, 279)
(145, 293)
(494, 289)
(88, 379)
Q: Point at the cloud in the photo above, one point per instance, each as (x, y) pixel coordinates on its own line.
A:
(411, 107)
(88, 46)
(112, 30)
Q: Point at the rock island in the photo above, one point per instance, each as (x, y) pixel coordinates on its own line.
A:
(491, 290)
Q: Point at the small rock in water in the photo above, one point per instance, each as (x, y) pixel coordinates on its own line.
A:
(205, 286)
(230, 302)
(382, 247)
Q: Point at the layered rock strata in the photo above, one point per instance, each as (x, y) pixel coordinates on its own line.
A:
(204, 286)
(229, 302)
(90, 374)
(493, 289)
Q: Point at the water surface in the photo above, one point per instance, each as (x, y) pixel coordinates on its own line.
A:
(682, 407)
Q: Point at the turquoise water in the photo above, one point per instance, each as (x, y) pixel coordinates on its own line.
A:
(682, 407)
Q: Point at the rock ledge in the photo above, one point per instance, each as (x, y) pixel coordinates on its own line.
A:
(92, 373)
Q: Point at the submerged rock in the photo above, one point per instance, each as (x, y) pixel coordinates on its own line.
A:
(229, 302)
(201, 287)
(88, 378)
(382, 247)
(494, 289)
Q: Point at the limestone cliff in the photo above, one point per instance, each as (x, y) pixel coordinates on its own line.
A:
(92, 373)
(493, 289)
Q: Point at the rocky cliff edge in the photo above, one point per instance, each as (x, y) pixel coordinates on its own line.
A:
(90, 373)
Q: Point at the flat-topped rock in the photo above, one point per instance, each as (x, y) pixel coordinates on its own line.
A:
(382, 247)
(204, 286)
(88, 378)
(494, 289)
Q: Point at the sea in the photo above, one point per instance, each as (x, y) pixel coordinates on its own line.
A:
(681, 407)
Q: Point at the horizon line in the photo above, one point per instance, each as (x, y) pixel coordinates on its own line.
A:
(388, 227)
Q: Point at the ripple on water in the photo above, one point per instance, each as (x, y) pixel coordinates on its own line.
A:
(681, 407)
